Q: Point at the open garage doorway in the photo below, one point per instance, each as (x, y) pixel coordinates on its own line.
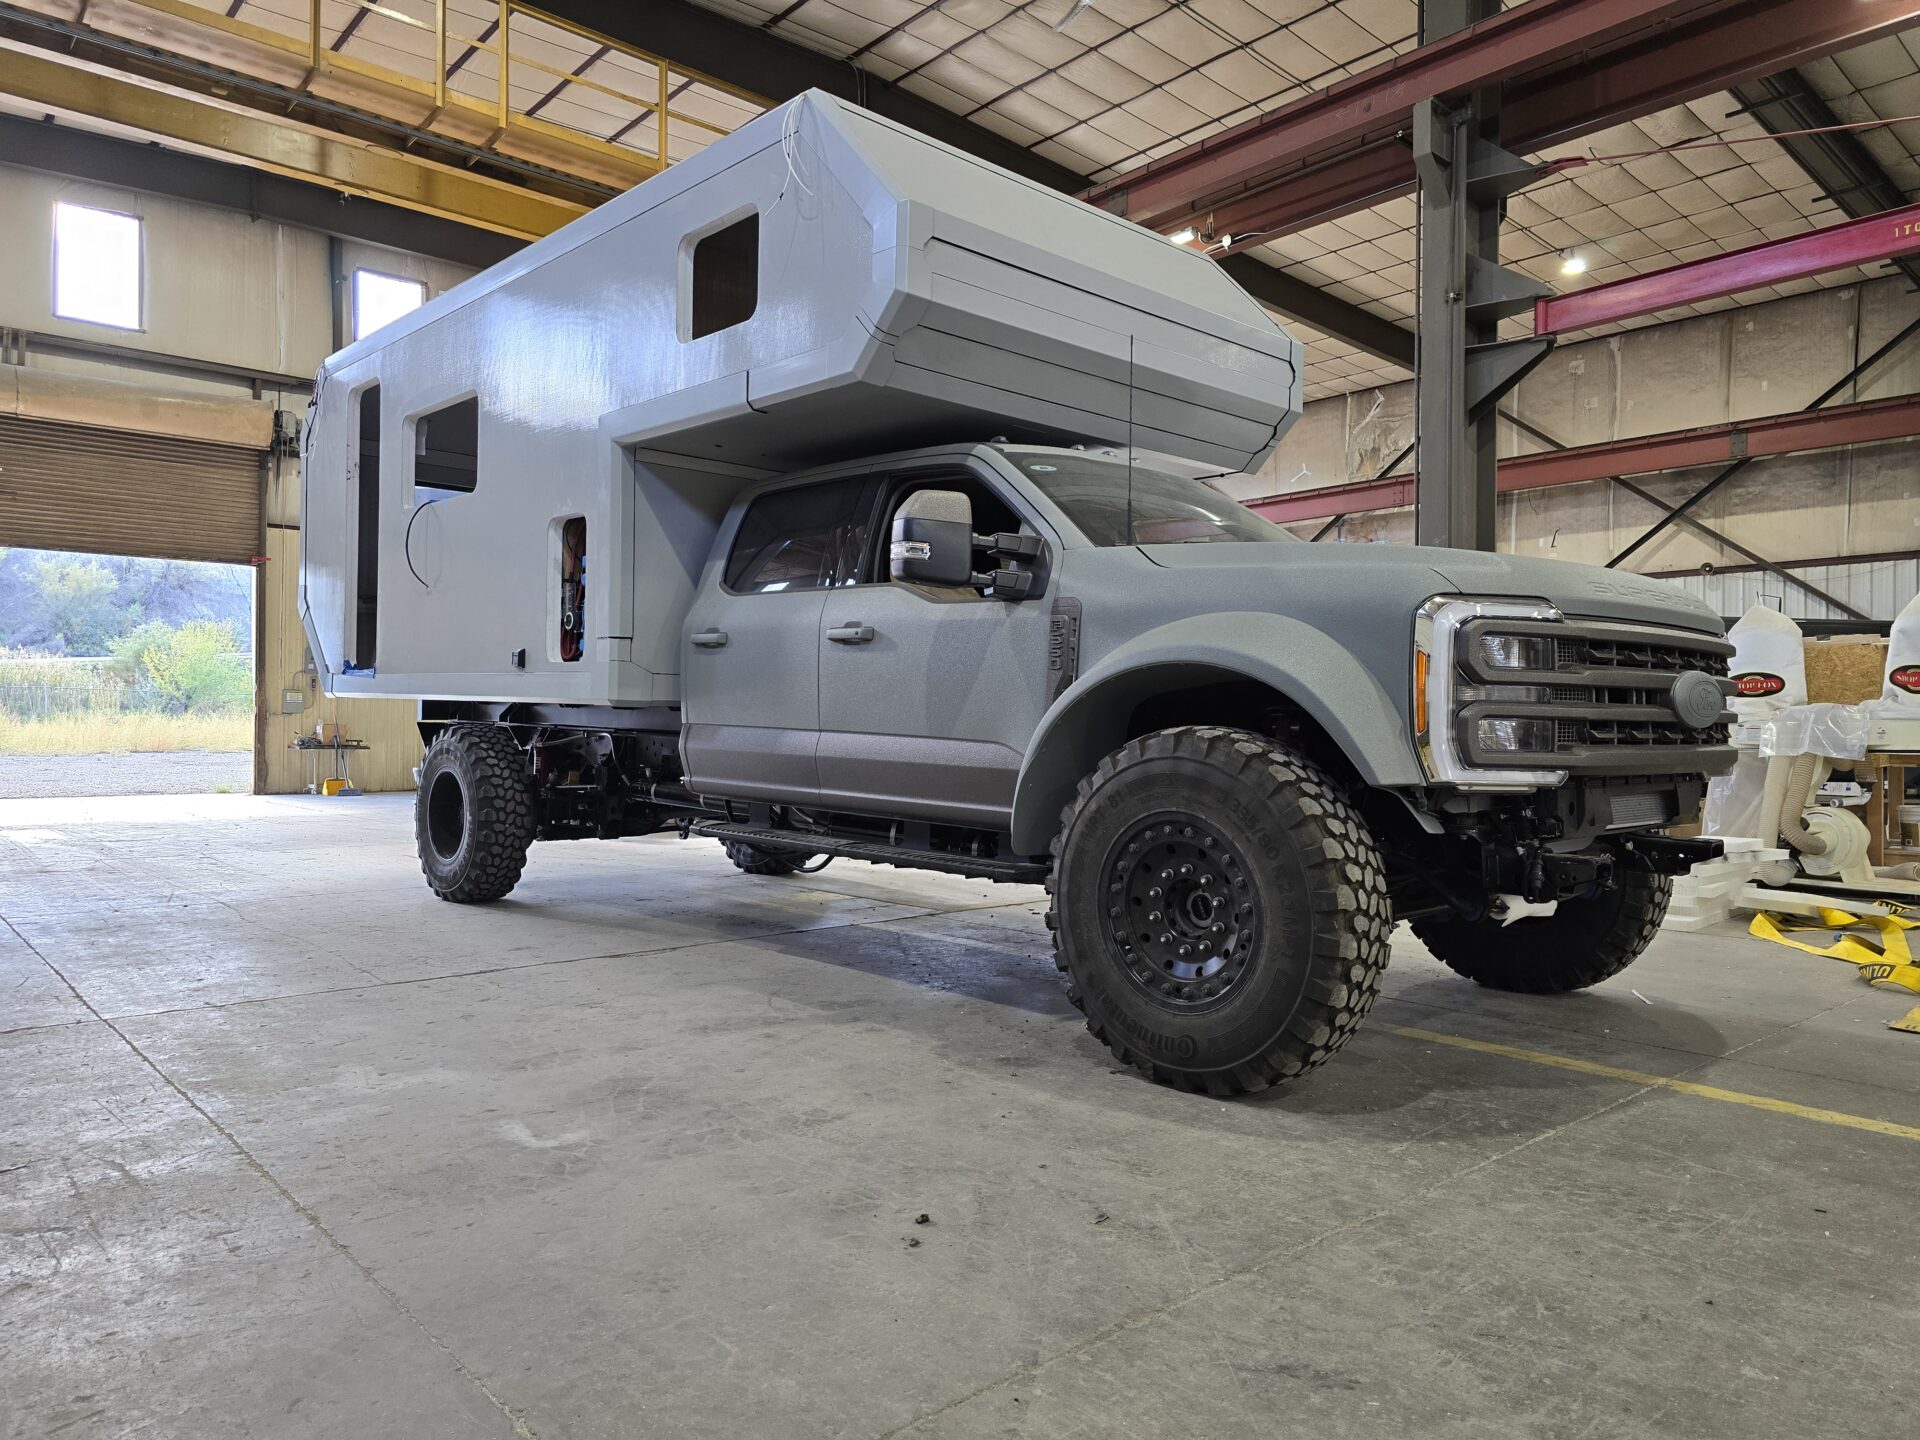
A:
(124, 675)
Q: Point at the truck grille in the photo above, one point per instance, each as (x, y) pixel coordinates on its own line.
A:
(1592, 696)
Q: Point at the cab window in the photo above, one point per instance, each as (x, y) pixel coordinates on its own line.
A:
(809, 537)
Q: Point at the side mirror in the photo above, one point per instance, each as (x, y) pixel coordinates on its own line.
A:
(933, 539)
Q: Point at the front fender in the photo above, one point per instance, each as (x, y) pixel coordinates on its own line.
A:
(1308, 666)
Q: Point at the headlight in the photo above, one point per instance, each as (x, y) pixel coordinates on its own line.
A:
(1440, 690)
(1516, 736)
(1517, 652)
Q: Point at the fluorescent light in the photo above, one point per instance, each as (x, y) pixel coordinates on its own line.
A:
(1184, 237)
(381, 299)
(1572, 263)
(96, 266)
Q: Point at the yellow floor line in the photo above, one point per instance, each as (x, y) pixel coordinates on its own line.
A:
(1685, 1087)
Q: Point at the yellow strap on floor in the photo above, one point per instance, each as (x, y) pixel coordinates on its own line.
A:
(1891, 964)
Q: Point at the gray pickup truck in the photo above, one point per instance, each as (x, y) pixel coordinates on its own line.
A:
(1234, 759)
(688, 515)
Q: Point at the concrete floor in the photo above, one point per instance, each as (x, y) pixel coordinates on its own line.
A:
(290, 1148)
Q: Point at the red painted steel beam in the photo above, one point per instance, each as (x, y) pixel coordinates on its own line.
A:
(1567, 67)
(1857, 242)
(1803, 430)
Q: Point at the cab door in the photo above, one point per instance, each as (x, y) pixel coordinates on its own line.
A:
(929, 696)
(750, 679)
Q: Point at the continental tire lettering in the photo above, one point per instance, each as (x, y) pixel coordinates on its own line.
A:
(1178, 1047)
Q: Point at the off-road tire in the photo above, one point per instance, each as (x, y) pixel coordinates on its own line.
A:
(755, 861)
(1299, 879)
(1580, 944)
(473, 813)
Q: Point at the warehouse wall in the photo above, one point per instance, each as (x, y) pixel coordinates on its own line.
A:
(1738, 364)
(260, 297)
(220, 286)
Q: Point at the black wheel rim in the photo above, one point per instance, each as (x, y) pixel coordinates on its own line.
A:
(1183, 916)
(446, 815)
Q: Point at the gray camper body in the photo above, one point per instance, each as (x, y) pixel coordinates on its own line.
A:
(896, 291)
(869, 458)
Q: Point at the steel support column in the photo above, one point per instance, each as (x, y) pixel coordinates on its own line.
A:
(1463, 368)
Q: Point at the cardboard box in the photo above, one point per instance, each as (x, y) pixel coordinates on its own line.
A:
(329, 732)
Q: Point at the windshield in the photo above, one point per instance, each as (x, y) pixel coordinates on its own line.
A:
(1167, 509)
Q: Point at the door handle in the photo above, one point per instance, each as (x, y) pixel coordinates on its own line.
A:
(710, 639)
(853, 634)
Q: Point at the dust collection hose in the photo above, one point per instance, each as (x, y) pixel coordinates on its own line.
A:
(1791, 780)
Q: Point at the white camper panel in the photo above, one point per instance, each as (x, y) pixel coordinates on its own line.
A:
(818, 286)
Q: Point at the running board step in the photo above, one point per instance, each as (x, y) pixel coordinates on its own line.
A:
(1009, 872)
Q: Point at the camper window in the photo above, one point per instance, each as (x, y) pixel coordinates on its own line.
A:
(725, 288)
(446, 450)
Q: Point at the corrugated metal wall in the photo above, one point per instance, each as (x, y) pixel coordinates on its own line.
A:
(1879, 589)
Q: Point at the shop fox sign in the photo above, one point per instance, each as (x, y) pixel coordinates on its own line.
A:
(1758, 682)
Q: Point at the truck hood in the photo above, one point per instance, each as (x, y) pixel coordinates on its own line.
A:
(1394, 572)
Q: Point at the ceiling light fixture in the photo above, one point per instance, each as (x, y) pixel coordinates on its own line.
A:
(1184, 237)
(1572, 263)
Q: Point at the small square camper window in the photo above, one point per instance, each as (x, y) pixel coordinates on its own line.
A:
(446, 449)
(725, 289)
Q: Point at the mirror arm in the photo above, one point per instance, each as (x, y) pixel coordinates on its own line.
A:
(1004, 584)
(1012, 546)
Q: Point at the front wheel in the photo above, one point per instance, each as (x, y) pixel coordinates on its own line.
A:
(1219, 908)
(473, 815)
(1582, 943)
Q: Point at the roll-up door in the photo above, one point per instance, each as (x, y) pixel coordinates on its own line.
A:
(121, 492)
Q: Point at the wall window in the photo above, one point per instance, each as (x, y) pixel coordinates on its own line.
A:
(726, 277)
(96, 266)
(381, 299)
(446, 451)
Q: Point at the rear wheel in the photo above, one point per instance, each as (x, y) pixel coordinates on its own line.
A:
(1219, 908)
(473, 815)
(1582, 943)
